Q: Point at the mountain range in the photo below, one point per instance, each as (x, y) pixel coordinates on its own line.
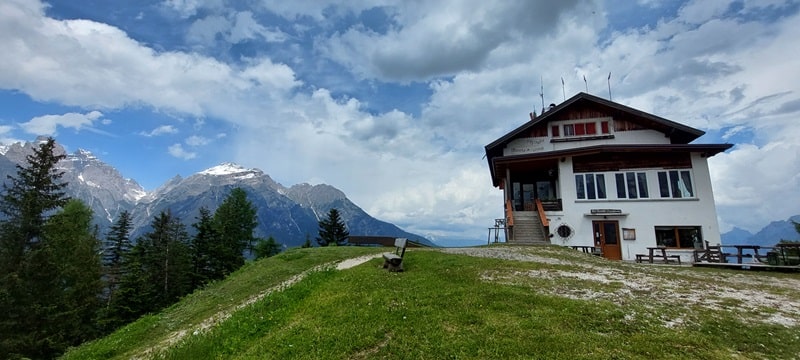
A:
(289, 214)
(767, 236)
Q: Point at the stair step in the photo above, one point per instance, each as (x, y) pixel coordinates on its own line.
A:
(528, 229)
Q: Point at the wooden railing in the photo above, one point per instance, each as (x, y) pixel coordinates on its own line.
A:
(552, 205)
(509, 214)
(540, 210)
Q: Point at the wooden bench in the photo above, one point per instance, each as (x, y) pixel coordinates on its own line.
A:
(394, 261)
(646, 257)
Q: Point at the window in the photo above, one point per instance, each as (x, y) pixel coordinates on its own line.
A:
(675, 184)
(678, 236)
(579, 187)
(591, 127)
(641, 178)
(590, 186)
(631, 185)
(569, 130)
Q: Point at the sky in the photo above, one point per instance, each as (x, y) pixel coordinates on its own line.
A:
(393, 101)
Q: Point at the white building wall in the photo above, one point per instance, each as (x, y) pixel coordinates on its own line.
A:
(533, 145)
(643, 215)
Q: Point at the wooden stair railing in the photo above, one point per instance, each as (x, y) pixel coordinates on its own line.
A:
(542, 216)
(509, 214)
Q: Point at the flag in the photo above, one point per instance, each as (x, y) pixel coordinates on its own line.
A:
(562, 81)
(609, 75)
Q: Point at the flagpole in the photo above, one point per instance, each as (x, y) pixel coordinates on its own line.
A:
(609, 86)
(563, 93)
(541, 93)
(586, 83)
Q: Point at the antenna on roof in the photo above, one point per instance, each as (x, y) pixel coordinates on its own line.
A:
(586, 83)
(563, 93)
(541, 92)
(609, 86)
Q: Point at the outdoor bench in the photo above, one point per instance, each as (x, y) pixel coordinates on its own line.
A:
(394, 261)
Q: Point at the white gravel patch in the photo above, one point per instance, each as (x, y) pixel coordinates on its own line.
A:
(349, 263)
(753, 297)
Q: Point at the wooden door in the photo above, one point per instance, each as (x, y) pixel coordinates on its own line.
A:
(606, 236)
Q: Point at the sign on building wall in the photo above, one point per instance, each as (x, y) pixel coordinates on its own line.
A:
(525, 146)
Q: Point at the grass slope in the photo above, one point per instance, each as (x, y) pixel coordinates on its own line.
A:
(452, 306)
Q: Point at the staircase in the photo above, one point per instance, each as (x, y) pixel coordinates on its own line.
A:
(527, 229)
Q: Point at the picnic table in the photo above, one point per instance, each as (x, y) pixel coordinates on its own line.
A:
(594, 250)
(740, 252)
(655, 252)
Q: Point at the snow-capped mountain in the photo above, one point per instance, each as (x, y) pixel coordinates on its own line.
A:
(288, 214)
(96, 183)
(99, 185)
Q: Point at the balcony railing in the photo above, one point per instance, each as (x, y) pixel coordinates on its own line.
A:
(552, 205)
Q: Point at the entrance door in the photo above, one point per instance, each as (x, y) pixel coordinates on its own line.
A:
(525, 193)
(606, 236)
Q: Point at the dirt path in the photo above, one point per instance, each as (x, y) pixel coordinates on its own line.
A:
(223, 315)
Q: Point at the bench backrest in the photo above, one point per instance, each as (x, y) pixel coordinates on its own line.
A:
(400, 246)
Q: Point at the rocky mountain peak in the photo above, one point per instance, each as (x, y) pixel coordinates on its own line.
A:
(84, 154)
(18, 151)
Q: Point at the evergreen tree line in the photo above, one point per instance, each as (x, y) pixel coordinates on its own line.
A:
(61, 285)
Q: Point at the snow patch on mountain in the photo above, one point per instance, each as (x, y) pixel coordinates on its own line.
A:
(225, 169)
(134, 195)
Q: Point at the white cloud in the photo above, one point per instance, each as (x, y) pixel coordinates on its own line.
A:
(245, 27)
(161, 130)
(195, 140)
(205, 30)
(89, 64)
(6, 137)
(177, 150)
(234, 27)
(49, 124)
(752, 184)
(189, 8)
(444, 38)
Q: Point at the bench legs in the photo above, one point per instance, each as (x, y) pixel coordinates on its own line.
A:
(644, 257)
(393, 265)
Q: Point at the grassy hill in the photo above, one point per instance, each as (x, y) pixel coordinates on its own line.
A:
(483, 303)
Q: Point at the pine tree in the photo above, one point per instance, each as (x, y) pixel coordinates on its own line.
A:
(307, 243)
(234, 222)
(134, 292)
(36, 191)
(267, 248)
(117, 244)
(166, 260)
(156, 272)
(74, 282)
(205, 246)
(332, 230)
(29, 197)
